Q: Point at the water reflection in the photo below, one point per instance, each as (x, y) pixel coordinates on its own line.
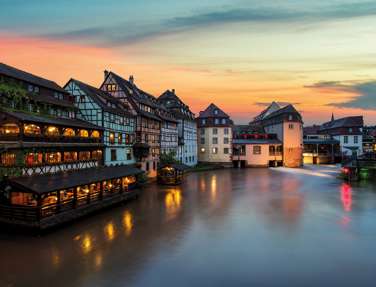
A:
(86, 244)
(213, 188)
(346, 197)
(109, 231)
(127, 222)
(173, 200)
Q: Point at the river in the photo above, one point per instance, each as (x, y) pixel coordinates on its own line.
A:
(249, 227)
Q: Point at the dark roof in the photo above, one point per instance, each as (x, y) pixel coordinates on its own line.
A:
(102, 98)
(256, 141)
(248, 129)
(346, 122)
(30, 78)
(47, 183)
(311, 130)
(287, 109)
(320, 141)
(174, 104)
(210, 112)
(51, 120)
(51, 100)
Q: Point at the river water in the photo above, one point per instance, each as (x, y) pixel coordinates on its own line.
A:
(251, 227)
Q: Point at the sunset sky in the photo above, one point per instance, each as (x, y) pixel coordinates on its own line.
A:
(318, 55)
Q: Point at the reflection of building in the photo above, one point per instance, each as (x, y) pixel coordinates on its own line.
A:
(100, 108)
(286, 122)
(148, 129)
(348, 131)
(214, 129)
(187, 143)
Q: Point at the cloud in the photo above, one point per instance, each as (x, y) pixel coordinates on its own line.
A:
(128, 32)
(366, 91)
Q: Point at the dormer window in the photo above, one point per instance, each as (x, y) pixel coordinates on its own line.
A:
(216, 112)
(111, 87)
(33, 89)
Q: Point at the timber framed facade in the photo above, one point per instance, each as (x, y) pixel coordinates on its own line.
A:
(119, 124)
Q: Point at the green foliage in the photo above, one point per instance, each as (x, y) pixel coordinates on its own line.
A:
(168, 158)
(13, 90)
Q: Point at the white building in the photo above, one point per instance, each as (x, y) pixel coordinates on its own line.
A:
(100, 108)
(187, 130)
(348, 131)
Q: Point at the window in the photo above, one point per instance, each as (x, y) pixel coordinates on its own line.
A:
(83, 133)
(202, 150)
(53, 157)
(226, 130)
(215, 131)
(113, 155)
(97, 154)
(226, 140)
(215, 150)
(215, 140)
(147, 167)
(223, 121)
(112, 138)
(291, 126)
(9, 129)
(111, 87)
(69, 132)
(202, 140)
(225, 150)
(355, 139)
(70, 156)
(216, 121)
(32, 129)
(350, 130)
(22, 198)
(120, 138)
(84, 155)
(8, 159)
(256, 149)
(290, 117)
(216, 112)
(128, 154)
(154, 165)
(345, 139)
(202, 131)
(203, 122)
(52, 131)
(272, 150)
(95, 134)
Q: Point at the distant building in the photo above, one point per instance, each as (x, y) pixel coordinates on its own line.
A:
(286, 122)
(214, 129)
(100, 108)
(348, 131)
(148, 123)
(187, 129)
(369, 140)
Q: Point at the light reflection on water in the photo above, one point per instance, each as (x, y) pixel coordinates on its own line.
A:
(208, 232)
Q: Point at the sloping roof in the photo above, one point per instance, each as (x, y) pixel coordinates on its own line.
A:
(211, 112)
(30, 78)
(287, 109)
(270, 109)
(174, 104)
(256, 141)
(102, 98)
(311, 130)
(50, 120)
(346, 122)
(64, 180)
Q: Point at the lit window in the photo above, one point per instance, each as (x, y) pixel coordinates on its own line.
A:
(9, 129)
(68, 132)
(215, 150)
(202, 150)
(84, 155)
(53, 157)
(112, 138)
(33, 159)
(84, 133)
(120, 138)
(97, 154)
(52, 131)
(70, 156)
(31, 129)
(8, 159)
(95, 134)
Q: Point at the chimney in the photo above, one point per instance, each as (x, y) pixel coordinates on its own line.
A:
(173, 91)
(131, 79)
(106, 74)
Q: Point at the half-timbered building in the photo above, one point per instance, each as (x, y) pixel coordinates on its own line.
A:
(187, 128)
(169, 132)
(148, 123)
(100, 108)
(51, 161)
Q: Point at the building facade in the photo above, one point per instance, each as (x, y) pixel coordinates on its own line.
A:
(286, 123)
(348, 131)
(214, 128)
(148, 124)
(187, 128)
(119, 124)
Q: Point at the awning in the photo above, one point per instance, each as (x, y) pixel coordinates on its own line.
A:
(177, 166)
(64, 180)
